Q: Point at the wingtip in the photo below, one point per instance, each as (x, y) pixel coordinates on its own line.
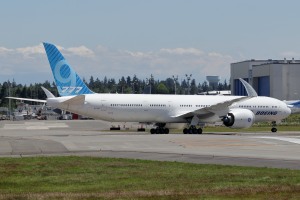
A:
(249, 89)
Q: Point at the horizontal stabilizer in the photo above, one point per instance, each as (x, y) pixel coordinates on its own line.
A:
(292, 104)
(77, 100)
(26, 99)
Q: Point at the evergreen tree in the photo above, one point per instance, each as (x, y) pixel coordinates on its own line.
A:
(162, 89)
(91, 83)
(193, 87)
(205, 86)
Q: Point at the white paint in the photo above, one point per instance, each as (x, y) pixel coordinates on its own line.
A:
(286, 139)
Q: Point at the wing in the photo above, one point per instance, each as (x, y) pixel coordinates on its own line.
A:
(26, 99)
(219, 109)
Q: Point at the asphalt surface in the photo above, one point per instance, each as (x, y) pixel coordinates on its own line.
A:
(92, 138)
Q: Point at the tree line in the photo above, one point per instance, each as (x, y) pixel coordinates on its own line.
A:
(110, 85)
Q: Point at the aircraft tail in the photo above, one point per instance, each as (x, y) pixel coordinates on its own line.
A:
(67, 81)
(294, 106)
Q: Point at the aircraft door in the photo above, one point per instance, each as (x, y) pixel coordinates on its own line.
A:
(103, 106)
(170, 106)
(146, 106)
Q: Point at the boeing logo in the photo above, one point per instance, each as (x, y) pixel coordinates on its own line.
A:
(266, 113)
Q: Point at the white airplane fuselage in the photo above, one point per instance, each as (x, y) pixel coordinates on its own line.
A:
(165, 108)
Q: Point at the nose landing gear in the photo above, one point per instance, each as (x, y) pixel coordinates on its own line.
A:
(274, 129)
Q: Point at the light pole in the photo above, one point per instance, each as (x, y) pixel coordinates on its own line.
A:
(133, 83)
(149, 81)
(175, 81)
(188, 77)
(9, 100)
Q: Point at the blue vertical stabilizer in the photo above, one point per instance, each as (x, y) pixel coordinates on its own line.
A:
(67, 81)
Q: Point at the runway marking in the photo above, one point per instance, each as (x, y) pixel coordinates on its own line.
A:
(219, 143)
(286, 139)
(34, 126)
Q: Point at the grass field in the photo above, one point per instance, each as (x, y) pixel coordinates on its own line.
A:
(106, 178)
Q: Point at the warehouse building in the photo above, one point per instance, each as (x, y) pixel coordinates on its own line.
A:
(275, 78)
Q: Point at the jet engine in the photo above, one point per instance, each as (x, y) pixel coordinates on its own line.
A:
(239, 118)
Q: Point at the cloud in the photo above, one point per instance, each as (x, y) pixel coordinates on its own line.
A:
(4, 51)
(30, 64)
(29, 52)
(81, 51)
(183, 51)
(138, 54)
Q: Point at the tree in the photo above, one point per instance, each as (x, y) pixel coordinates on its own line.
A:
(91, 83)
(122, 84)
(226, 87)
(162, 89)
(193, 88)
(205, 86)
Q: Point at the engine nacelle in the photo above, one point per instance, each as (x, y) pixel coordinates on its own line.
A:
(239, 118)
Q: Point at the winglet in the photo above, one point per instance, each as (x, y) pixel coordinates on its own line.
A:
(67, 81)
(48, 93)
(249, 89)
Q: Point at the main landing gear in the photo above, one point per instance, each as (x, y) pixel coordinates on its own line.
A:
(160, 129)
(274, 129)
(192, 130)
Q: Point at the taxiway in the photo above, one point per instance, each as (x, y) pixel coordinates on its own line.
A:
(91, 138)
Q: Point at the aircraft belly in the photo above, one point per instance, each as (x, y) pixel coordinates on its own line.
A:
(261, 118)
(143, 116)
(133, 116)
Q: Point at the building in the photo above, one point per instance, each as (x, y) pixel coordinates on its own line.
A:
(275, 78)
(215, 92)
(213, 81)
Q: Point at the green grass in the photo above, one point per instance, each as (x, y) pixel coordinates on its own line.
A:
(106, 178)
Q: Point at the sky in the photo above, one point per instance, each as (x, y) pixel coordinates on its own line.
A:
(116, 38)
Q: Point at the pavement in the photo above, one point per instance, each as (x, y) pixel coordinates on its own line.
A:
(93, 138)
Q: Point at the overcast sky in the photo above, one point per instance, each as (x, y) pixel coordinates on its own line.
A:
(117, 38)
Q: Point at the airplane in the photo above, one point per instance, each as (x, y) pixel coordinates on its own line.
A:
(162, 110)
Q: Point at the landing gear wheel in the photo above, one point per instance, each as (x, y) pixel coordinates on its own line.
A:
(273, 127)
(152, 131)
(167, 131)
(274, 130)
(185, 131)
(192, 130)
(199, 130)
(159, 131)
